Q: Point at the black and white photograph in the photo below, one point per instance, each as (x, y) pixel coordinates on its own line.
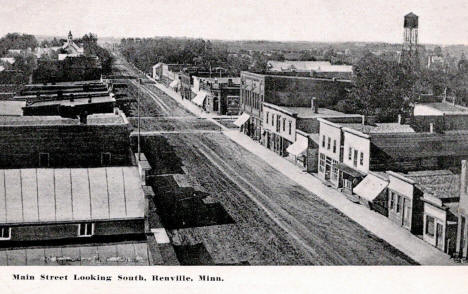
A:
(236, 134)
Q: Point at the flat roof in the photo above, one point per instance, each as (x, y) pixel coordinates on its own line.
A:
(379, 128)
(94, 119)
(445, 107)
(77, 101)
(122, 254)
(70, 194)
(308, 112)
(439, 183)
(14, 108)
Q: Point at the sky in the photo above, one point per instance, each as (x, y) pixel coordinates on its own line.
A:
(440, 22)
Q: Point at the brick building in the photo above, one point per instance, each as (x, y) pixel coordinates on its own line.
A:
(52, 141)
(217, 95)
(286, 91)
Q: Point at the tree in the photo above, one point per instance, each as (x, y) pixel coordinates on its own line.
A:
(382, 88)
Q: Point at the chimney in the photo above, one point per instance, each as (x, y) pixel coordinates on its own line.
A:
(90, 98)
(72, 97)
(431, 128)
(400, 119)
(313, 104)
(363, 119)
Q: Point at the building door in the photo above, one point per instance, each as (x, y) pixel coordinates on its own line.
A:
(439, 236)
(327, 172)
(215, 104)
(43, 159)
(406, 213)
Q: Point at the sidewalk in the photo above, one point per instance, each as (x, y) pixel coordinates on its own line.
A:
(379, 225)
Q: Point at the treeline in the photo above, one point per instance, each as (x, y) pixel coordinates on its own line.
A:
(17, 41)
(91, 47)
(385, 88)
(145, 53)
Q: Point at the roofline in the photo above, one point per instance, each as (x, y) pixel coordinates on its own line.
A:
(401, 177)
(302, 133)
(325, 121)
(356, 132)
(38, 223)
(279, 108)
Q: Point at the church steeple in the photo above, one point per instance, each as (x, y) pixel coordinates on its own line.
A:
(70, 36)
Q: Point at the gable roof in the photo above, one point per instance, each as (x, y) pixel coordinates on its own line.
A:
(70, 194)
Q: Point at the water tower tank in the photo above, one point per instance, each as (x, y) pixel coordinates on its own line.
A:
(411, 21)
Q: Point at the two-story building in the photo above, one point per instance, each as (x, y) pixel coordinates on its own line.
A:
(218, 95)
(283, 90)
(462, 214)
(293, 131)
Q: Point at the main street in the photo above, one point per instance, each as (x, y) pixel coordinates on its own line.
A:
(262, 217)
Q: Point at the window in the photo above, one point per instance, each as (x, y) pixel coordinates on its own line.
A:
(329, 143)
(267, 116)
(278, 123)
(355, 158)
(398, 203)
(323, 141)
(430, 225)
(350, 154)
(273, 119)
(44, 159)
(5, 233)
(85, 229)
(284, 125)
(334, 146)
(392, 200)
(348, 184)
(290, 127)
(361, 159)
(105, 158)
(334, 170)
(322, 163)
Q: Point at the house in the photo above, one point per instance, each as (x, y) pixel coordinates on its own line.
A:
(68, 204)
(281, 90)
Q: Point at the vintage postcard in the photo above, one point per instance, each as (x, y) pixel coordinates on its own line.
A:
(221, 146)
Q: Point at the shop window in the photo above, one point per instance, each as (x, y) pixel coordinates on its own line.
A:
(430, 223)
(85, 229)
(284, 125)
(348, 184)
(355, 158)
(5, 233)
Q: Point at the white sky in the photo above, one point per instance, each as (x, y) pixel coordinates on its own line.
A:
(441, 21)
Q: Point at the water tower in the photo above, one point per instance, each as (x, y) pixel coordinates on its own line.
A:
(410, 39)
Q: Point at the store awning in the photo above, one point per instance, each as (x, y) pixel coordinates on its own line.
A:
(370, 187)
(199, 99)
(174, 84)
(299, 147)
(242, 119)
